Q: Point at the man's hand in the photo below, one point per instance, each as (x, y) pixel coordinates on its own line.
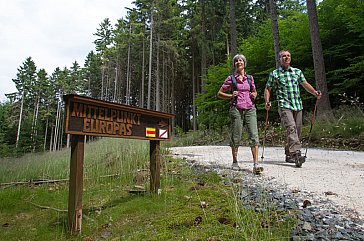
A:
(267, 105)
(318, 94)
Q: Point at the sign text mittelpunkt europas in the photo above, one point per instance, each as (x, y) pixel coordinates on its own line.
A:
(87, 116)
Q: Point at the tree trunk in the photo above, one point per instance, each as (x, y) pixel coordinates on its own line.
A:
(56, 128)
(61, 124)
(107, 86)
(20, 119)
(34, 126)
(318, 59)
(173, 95)
(32, 129)
(128, 70)
(203, 45)
(233, 31)
(45, 135)
(115, 83)
(164, 84)
(227, 45)
(141, 104)
(150, 61)
(102, 81)
(275, 31)
(157, 94)
(51, 139)
(193, 95)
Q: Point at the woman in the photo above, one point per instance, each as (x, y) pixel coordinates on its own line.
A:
(242, 110)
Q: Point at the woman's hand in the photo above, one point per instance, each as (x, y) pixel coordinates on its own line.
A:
(253, 95)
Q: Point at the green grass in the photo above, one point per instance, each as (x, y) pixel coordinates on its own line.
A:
(344, 129)
(346, 122)
(110, 212)
(112, 167)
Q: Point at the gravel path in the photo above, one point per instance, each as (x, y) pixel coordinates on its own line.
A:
(334, 175)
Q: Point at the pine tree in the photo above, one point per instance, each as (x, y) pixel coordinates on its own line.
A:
(26, 77)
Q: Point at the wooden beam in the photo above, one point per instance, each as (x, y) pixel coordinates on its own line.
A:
(155, 158)
(76, 184)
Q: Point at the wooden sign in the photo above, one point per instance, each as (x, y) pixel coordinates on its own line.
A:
(87, 116)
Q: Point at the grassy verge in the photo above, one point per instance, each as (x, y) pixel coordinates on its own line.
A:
(344, 129)
(192, 205)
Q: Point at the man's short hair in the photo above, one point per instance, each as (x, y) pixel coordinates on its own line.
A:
(284, 50)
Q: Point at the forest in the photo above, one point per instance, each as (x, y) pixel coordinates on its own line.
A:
(173, 55)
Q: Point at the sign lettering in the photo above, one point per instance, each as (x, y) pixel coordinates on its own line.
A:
(86, 116)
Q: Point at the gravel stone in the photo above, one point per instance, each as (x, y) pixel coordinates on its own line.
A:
(320, 218)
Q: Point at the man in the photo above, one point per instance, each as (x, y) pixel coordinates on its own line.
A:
(287, 80)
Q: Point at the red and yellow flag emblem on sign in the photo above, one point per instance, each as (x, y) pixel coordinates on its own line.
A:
(150, 132)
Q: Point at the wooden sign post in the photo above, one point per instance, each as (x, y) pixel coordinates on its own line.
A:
(87, 116)
(76, 183)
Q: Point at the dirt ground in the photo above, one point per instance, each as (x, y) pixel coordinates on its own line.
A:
(336, 175)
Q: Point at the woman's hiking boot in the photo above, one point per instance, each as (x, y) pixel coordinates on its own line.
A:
(257, 170)
(235, 166)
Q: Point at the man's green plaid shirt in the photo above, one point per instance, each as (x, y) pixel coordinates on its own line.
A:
(287, 82)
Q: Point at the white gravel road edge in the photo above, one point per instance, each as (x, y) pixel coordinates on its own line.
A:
(336, 175)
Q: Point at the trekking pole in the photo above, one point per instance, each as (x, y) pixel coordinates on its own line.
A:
(312, 122)
(265, 134)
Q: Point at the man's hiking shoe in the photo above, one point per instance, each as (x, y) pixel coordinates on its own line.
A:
(257, 170)
(296, 158)
(299, 160)
(290, 159)
(235, 166)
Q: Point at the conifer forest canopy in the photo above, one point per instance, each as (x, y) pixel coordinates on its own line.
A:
(172, 56)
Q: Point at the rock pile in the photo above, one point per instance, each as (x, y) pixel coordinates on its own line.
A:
(319, 218)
